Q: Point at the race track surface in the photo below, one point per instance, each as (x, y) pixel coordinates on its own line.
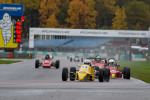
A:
(21, 81)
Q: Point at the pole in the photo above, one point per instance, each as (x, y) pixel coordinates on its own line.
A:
(148, 49)
(130, 54)
(149, 45)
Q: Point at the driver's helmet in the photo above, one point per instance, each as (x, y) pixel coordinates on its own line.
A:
(47, 56)
(111, 61)
(87, 61)
(98, 58)
(51, 57)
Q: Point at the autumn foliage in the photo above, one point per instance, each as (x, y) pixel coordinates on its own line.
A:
(120, 19)
(85, 14)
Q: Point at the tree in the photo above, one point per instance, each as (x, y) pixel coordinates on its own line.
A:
(119, 21)
(52, 21)
(31, 14)
(106, 11)
(138, 15)
(6, 1)
(122, 3)
(77, 14)
(90, 21)
(47, 8)
(62, 14)
(82, 14)
(145, 1)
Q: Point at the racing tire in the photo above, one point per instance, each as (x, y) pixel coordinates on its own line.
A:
(37, 63)
(65, 74)
(100, 75)
(127, 73)
(107, 74)
(72, 73)
(57, 63)
(97, 69)
(81, 59)
(70, 59)
(124, 72)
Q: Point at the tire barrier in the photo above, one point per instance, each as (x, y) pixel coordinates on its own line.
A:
(27, 55)
(4, 54)
(34, 54)
(16, 55)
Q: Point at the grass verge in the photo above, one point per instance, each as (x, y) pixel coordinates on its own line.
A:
(139, 69)
(7, 61)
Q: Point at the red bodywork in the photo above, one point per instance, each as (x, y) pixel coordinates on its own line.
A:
(47, 63)
(99, 64)
(114, 72)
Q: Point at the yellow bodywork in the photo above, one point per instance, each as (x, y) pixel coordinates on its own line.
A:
(112, 75)
(85, 73)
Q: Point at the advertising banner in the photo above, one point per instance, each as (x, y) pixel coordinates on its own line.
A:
(89, 32)
(10, 25)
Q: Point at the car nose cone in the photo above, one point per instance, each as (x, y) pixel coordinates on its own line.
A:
(112, 75)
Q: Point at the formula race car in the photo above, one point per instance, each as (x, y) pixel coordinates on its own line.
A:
(114, 72)
(47, 62)
(86, 72)
(76, 59)
(99, 62)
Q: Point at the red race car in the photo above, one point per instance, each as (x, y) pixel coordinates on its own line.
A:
(100, 63)
(47, 62)
(114, 72)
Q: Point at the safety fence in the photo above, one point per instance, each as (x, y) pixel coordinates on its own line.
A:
(35, 54)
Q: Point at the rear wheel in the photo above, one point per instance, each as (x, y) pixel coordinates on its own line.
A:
(65, 74)
(100, 75)
(124, 72)
(106, 74)
(37, 63)
(96, 68)
(72, 73)
(128, 73)
(81, 59)
(57, 64)
(70, 59)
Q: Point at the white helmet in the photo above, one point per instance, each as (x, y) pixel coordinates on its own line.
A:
(87, 61)
(111, 61)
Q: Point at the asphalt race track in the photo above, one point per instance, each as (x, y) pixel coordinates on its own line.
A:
(21, 81)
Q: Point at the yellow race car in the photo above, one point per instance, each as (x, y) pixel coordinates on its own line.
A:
(86, 72)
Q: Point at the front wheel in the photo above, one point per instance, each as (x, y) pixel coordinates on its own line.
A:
(96, 69)
(100, 75)
(65, 74)
(106, 74)
(57, 64)
(37, 63)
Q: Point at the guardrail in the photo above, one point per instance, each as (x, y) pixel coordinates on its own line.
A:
(34, 54)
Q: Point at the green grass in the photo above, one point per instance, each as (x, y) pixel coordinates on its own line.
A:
(139, 69)
(7, 61)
